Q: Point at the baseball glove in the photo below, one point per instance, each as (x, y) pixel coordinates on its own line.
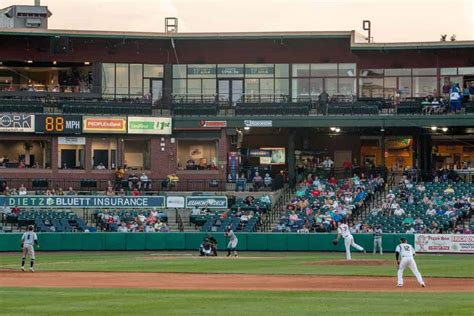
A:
(334, 242)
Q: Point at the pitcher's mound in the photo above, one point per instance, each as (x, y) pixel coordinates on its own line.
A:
(354, 262)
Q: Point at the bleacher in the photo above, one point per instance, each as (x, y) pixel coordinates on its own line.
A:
(48, 220)
(395, 224)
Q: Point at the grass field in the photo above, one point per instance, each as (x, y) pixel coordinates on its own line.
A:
(52, 301)
(254, 263)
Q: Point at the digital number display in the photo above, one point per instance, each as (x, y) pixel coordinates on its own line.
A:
(58, 124)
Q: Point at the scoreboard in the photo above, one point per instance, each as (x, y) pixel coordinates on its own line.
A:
(58, 124)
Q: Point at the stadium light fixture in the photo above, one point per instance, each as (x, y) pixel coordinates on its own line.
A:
(434, 128)
(87, 63)
(247, 128)
(332, 129)
(337, 130)
(444, 129)
(29, 61)
(55, 62)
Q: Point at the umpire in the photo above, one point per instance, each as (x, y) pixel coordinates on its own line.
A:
(378, 239)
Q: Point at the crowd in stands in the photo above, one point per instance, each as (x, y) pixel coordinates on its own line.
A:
(124, 221)
(435, 207)
(319, 204)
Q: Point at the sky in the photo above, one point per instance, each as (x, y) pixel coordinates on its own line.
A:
(392, 20)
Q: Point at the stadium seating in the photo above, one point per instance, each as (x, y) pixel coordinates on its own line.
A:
(48, 220)
(409, 108)
(21, 106)
(190, 109)
(272, 109)
(106, 107)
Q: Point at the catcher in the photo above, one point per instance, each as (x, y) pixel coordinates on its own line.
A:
(208, 247)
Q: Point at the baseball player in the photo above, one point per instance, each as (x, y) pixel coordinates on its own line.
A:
(27, 240)
(233, 241)
(344, 232)
(378, 239)
(404, 254)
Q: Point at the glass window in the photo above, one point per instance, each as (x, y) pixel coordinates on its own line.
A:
(398, 72)
(197, 154)
(424, 86)
(300, 70)
(121, 79)
(347, 70)
(377, 73)
(136, 79)
(282, 70)
(300, 89)
(323, 70)
(153, 71)
(466, 70)
(424, 71)
(315, 86)
(71, 156)
(209, 87)
(137, 154)
(404, 86)
(179, 71)
(33, 154)
(230, 70)
(202, 71)
(347, 86)
(266, 87)
(259, 70)
(179, 86)
(194, 87)
(282, 87)
(371, 87)
(449, 71)
(104, 153)
(330, 85)
(448, 82)
(251, 87)
(108, 78)
(390, 87)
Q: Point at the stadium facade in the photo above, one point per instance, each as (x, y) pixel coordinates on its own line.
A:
(78, 104)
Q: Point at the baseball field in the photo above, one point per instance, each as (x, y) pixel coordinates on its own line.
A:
(182, 283)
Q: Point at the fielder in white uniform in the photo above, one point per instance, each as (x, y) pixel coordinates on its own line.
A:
(233, 241)
(27, 241)
(344, 232)
(404, 254)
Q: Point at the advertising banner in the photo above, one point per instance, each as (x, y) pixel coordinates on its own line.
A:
(213, 124)
(175, 201)
(106, 125)
(18, 123)
(83, 201)
(232, 166)
(217, 201)
(71, 140)
(258, 123)
(452, 243)
(149, 125)
(58, 124)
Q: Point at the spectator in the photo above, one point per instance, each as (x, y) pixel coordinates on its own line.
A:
(149, 228)
(257, 181)
(455, 98)
(60, 192)
(71, 191)
(145, 182)
(195, 210)
(471, 91)
(267, 181)
(323, 99)
(240, 183)
(22, 190)
(110, 191)
(449, 190)
(122, 228)
(164, 228)
(132, 181)
(408, 221)
(398, 211)
(328, 163)
(100, 166)
(16, 211)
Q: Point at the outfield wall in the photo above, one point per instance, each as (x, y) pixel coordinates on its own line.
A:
(191, 241)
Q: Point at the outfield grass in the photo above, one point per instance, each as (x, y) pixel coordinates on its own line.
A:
(254, 263)
(20, 301)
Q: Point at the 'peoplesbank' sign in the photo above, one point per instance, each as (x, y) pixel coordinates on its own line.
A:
(74, 201)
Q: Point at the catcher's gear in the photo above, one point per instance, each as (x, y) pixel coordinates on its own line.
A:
(334, 242)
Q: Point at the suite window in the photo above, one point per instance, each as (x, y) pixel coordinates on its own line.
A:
(398, 72)
(71, 156)
(197, 154)
(108, 78)
(371, 87)
(230, 71)
(104, 153)
(323, 70)
(424, 71)
(31, 154)
(259, 70)
(179, 71)
(347, 86)
(121, 79)
(136, 79)
(152, 71)
(137, 154)
(390, 87)
(404, 87)
(300, 70)
(347, 70)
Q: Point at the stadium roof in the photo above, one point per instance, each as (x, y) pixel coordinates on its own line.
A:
(356, 38)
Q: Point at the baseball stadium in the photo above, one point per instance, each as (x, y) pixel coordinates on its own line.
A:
(258, 173)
